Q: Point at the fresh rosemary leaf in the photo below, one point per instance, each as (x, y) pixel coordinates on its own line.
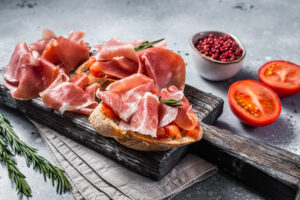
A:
(147, 44)
(6, 157)
(172, 102)
(38, 163)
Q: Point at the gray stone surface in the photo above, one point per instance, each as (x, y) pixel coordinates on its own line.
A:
(268, 29)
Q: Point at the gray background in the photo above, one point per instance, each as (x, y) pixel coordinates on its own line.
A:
(268, 29)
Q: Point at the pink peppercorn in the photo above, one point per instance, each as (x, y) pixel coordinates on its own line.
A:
(221, 48)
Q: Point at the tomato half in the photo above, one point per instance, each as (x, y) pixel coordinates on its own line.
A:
(254, 103)
(282, 76)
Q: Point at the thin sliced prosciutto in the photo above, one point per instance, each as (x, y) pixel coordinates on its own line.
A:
(186, 118)
(27, 73)
(164, 66)
(117, 59)
(121, 60)
(145, 119)
(71, 51)
(40, 45)
(129, 83)
(76, 36)
(124, 96)
(66, 94)
(167, 113)
(135, 100)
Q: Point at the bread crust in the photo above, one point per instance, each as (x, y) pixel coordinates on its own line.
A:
(134, 140)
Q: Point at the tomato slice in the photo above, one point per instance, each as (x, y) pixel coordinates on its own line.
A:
(282, 76)
(254, 103)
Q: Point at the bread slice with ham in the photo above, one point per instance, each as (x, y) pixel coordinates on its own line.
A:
(133, 139)
(133, 112)
(115, 60)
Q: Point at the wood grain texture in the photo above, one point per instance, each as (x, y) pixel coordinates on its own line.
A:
(271, 170)
(152, 164)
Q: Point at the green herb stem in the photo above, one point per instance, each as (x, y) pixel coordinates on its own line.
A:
(172, 102)
(39, 163)
(6, 157)
(147, 44)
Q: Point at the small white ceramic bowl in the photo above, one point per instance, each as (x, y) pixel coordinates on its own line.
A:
(209, 68)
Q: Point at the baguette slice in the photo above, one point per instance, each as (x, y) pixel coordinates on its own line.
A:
(84, 69)
(134, 140)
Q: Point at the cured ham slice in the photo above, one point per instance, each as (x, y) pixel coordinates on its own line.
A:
(117, 59)
(164, 66)
(71, 51)
(145, 120)
(129, 83)
(10, 74)
(185, 117)
(168, 114)
(48, 34)
(76, 36)
(49, 52)
(65, 95)
(124, 96)
(41, 44)
(27, 73)
(80, 80)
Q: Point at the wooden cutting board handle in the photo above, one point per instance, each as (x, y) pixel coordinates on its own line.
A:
(269, 169)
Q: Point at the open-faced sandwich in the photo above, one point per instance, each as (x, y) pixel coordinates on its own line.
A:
(140, 116)
(140, 85)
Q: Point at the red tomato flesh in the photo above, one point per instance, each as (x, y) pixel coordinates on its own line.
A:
(173, 130)
(282, 76)
(254, 103)
(95, 70)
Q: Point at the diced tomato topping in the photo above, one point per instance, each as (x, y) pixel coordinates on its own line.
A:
(172, 130)
(108, 112)
(195, 132)
(161, 133)
(95, 70)
(90, 61)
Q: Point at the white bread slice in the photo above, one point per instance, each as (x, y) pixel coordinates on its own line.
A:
(134, 140)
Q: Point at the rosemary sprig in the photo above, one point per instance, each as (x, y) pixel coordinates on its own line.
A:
(6, 157)
(172, 102)
(147, 44)
(39, 163)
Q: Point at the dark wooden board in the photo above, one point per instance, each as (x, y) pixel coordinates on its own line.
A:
(272, 170)
(152, 164)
